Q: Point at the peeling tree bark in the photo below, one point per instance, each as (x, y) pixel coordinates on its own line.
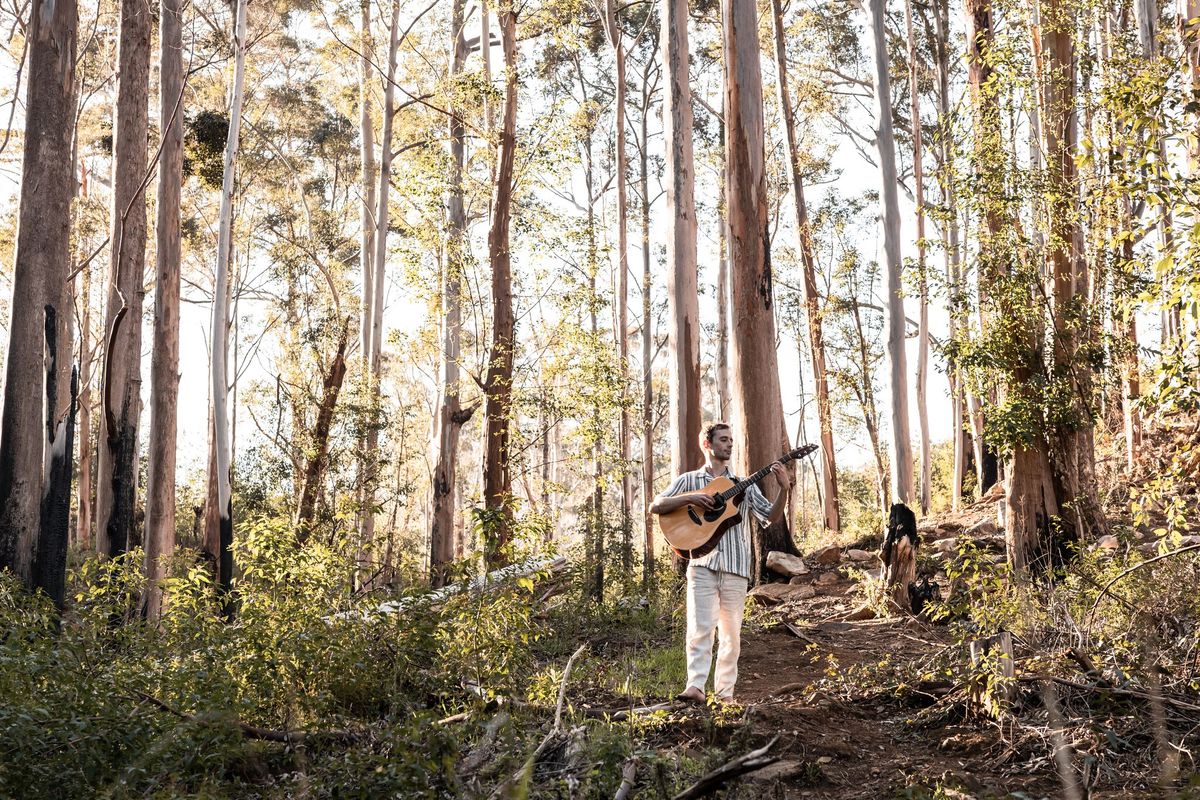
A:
(758, 425)
(164, 369)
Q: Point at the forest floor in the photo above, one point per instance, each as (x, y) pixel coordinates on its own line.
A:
(866, 708)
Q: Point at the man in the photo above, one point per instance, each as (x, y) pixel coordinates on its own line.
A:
(716, 583)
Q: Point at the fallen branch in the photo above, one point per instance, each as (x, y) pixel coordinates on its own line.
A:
(1087, 687)
(628, 776)
(798, 633)
(255, 732)
(550, 738)
(750, 762)
(562, 688)
(1135, 567)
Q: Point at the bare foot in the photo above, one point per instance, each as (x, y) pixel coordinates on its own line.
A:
(691, 695)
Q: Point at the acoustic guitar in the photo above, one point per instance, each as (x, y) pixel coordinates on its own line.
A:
(694, 531)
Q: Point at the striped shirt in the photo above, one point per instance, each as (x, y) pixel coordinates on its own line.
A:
(733, 551)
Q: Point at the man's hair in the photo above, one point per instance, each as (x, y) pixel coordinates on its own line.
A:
(711, 430)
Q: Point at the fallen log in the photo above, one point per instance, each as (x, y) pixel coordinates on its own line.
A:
(743, 764)
(551, 565)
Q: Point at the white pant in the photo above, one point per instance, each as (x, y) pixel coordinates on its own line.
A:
(715, 600)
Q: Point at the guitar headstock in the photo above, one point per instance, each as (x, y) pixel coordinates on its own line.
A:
(801, 452)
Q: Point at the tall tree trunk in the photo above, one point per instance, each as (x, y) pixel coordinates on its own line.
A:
(164, 365)
(647, 347)
(831, 514)
(922, 278)
(950, 239)
(1146, 16)
(220, 315)
(902, 466)
(117, 470)
(623, 434)
(1073, 457)
(369, 176)
(314, 472)
(378, 274)
(759, 426)
(32, 409)
(682, 301)
(496, 477)
(450, 415)
(83, 518)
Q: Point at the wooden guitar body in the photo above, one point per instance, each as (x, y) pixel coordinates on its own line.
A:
(693, 532)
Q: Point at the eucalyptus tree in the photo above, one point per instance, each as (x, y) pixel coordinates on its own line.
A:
(219, 327)
(37, 425)
(757, 401)
(922, 278)
(164, 370)
(120, 402)
(497, 479)
(816, 340)
(682, 299)
(451, 414)
(902, 467)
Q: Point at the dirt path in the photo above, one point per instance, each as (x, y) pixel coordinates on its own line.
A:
(839, 738)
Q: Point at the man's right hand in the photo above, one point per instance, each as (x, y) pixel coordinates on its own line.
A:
(703, 500)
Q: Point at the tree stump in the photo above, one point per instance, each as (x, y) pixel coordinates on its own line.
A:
(992, 672)
(900, 555)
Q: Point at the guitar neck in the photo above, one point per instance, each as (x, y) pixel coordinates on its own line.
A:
(746, 483)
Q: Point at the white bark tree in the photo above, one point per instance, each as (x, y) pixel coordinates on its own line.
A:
(902, 461)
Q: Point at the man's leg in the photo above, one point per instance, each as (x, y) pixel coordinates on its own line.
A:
(732, 593)
(702, 611)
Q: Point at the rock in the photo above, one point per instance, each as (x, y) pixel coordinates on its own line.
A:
(803, 591)
(769, 594)
(985, 528)
(947, 546)
(780, 770)
(827, 578)
(1188, 541)
(1109, 542)
(801, 580)
(785, 563)
(860, 555)
(827, 555)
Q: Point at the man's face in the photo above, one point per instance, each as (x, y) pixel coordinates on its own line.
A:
(721, 444)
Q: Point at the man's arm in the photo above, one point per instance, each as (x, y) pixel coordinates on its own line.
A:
(675, 497)
(764, 509)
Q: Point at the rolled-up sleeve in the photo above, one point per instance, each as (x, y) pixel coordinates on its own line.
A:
(759, 504)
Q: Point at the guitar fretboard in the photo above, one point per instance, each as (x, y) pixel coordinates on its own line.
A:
(746, 483)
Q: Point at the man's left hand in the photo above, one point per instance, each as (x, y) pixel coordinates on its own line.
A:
(781, 475)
